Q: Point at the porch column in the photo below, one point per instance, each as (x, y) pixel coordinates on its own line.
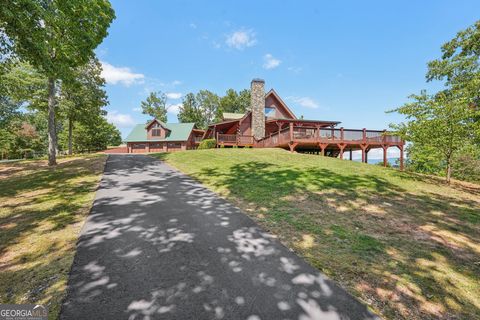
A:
(401, 158)
(148, 147)
(385, 155)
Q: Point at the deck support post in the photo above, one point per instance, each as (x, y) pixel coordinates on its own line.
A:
(341, 146)
(351, 154)
(401, 157)
(292, 146)
(364, 154)
(323, 146)
(385, 147)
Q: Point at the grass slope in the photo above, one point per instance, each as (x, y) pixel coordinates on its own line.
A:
(41, 212)
(407, 245)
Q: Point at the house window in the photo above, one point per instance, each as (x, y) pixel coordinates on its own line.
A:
(270, 111)
(156, 132)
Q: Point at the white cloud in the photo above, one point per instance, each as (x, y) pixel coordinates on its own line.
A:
(137, 109)
(176, 83)
(122, 75)
(174, 95)
(241, 39)
(174, 108)
(270, 62)
(294, 69)
(120, 120)
(193, 25)
(306, 102)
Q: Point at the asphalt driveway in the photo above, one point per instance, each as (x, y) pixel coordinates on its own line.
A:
(158, 245)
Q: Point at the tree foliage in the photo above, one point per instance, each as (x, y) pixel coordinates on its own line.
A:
(80, 106)
(206, 107)
(54, 37)
(83, 96)
(190, 111)
(437, 122)
(439, 126)
(94, 135)
(155, 106)
(235, 102)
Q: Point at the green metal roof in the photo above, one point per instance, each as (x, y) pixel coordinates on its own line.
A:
(178, 132)
(232, 116)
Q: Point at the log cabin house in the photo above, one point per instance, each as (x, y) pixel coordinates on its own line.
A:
(157, 136)
(270, 123)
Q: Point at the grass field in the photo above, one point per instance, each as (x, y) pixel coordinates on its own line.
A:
(42, 210)
(407, 245)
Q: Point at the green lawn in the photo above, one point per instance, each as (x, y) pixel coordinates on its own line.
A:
(41, 212)
(406, 244)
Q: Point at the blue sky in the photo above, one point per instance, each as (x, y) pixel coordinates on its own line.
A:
(344, 60)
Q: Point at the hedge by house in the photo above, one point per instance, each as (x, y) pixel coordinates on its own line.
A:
(207, 144)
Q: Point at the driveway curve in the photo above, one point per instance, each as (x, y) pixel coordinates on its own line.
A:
(158, 245)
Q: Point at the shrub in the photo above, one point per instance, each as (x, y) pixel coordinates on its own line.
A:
(207, 144)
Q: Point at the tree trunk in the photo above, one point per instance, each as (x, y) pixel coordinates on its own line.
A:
(52, 134)
(449, 171)
(70, 129)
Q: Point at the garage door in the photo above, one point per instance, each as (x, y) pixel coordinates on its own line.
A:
(156, 147)
(138, 147)
(174, 146)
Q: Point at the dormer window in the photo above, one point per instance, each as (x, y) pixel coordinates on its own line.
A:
(156, 132)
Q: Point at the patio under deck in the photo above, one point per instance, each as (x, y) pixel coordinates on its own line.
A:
(325, 141)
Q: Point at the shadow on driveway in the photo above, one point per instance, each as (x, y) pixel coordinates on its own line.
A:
(158, 245)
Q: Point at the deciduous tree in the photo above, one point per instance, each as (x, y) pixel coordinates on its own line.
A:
(55, 37)
(156, 106)
(83, 96)
(440, 121)
(191, 112)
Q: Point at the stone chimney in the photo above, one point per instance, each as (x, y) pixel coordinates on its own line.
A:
(257, 106)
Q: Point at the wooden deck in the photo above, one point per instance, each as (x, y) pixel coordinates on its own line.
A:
(325, 141)
(235, 140)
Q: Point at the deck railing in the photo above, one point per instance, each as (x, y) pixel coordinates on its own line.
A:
(245, 140)
(307, 134)
(234, 139)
